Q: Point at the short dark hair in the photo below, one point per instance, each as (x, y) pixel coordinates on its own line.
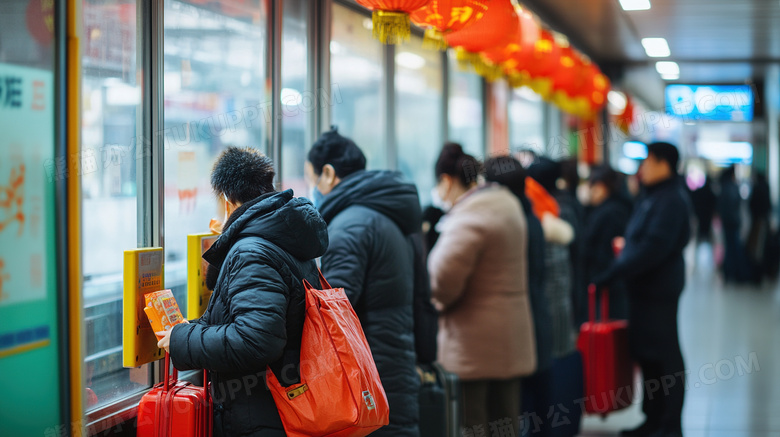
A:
(665, 152)
(546, 172)
(339, 151)
(605, 175)
(508, 172)
(453, 161)
(242, 174)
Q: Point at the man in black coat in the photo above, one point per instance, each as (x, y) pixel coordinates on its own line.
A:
(371, 216)
(255, 315)
(653, 267)
(606, 221)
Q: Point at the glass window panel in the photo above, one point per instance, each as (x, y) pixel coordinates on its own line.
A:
(215, 96)
(356, 71)
(526, 120)
(110, 99)
(298, 100)
(466, 119)
(418, 87)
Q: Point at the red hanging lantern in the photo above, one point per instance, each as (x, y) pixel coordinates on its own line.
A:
(495, 58)
(441, 17)
(568, 76)
(495, 28)
(591, 93)
(568, 81)
(543, 62)
(390, 18)
(521, 55)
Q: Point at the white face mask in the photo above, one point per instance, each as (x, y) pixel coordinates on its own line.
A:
(438, 202)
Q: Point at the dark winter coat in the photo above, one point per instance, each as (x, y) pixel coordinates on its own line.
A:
(729, 205)
(653, 266)
(604, 223)
(255, 315)
(760, 200)
(540, 306)
(371, 216)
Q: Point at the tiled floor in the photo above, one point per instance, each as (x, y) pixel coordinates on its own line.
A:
(731, 342)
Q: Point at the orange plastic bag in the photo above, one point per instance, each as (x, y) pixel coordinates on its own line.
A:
(340, 394)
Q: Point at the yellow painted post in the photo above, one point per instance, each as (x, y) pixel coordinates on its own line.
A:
(143, 273)
(73, 127)
(198, 294)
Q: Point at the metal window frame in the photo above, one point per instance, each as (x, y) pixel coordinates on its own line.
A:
(319, 25)
(150, 154)
(149, 172)
(61, 10)
(274, 18)
(444, 120)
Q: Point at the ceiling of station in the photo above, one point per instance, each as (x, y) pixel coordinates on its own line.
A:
(714, 41)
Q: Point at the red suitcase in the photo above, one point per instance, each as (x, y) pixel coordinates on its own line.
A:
(608, 369)
(176, 408)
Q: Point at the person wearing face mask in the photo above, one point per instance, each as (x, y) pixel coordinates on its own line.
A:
(371, 218)
(254, 319)
(479, 282)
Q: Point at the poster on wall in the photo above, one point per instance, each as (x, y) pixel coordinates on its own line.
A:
(26, 144)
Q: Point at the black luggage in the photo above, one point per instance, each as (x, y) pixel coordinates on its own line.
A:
(440, 414)
(567, 391)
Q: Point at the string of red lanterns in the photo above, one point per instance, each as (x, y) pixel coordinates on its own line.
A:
(499, 38)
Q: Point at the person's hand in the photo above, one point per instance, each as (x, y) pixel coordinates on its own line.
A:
(618, 244)
(602, 281)
(165, 341)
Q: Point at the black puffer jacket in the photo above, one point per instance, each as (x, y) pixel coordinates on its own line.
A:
(371, 216)
(653, 267)
(255, 316)
(606, 222)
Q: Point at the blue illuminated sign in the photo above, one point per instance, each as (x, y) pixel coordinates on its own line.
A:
(710, 102)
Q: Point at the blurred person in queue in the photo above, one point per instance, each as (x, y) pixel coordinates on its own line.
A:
(371, 216)
(255, 315)
(479, 282)
(606, 221)
(735, 264)
(652, 265)
(536, 388)
(559, 233)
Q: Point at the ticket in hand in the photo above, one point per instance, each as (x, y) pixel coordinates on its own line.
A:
(163, 311)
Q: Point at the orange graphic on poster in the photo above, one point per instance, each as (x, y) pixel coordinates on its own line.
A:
(4, 277)
(12, 200)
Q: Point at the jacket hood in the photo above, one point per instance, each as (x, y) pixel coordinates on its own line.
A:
(386, 192)
(291, 223)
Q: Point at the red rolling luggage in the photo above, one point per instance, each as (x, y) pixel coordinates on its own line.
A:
(608, 369)
(176, 408)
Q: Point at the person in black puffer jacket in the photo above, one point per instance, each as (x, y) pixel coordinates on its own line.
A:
(607, 220)
(255, 315)
(371, 217)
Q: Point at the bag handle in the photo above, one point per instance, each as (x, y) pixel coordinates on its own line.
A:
(592, 303)
(323, 282)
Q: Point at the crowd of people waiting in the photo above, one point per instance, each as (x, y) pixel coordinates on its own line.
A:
(499, 265)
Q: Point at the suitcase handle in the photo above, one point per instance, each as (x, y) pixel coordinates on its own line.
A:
(592, 303)
(170, 377)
